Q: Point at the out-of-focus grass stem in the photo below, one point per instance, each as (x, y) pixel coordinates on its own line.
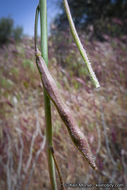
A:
(80, 46)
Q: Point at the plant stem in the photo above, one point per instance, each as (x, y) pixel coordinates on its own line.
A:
(44, 51)
(36, 27)
(80, 46)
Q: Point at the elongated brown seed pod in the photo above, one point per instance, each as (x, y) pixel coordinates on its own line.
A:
(76, 135)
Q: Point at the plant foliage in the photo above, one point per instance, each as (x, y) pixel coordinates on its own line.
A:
(8, 31)
(99, 16)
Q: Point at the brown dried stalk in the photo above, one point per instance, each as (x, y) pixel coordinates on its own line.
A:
(78, 138)
(58, 170)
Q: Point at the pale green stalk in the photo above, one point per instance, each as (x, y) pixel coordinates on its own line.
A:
(44, 51)
(36, 27)
(80, 46)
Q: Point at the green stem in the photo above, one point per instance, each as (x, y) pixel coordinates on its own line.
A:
(80, 46)
(44, 51)
(36, 27)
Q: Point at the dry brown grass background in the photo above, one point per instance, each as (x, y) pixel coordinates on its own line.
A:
(101, 115)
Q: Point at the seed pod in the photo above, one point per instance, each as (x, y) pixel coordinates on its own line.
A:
(78, 138)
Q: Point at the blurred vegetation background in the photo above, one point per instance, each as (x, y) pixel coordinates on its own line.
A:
(101, 115)
(99, 17)
(8, 31)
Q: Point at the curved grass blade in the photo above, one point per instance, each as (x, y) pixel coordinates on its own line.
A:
(80, 46)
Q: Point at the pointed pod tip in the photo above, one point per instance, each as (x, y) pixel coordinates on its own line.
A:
(93, 165)
(96, 169)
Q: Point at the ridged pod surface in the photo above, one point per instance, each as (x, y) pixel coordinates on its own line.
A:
(78, 138)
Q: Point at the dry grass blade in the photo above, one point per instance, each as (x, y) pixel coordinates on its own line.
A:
(58, 170)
